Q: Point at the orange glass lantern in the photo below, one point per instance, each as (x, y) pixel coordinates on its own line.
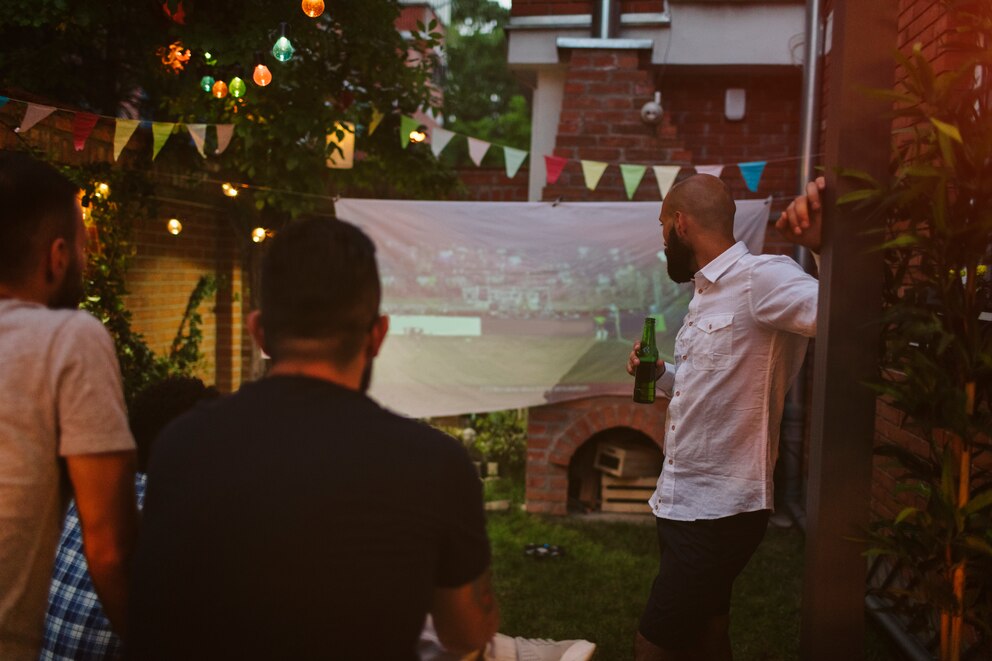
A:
(313, 8)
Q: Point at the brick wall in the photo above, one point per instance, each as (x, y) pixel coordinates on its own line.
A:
(555, 432)
(492, 184)
(563, 7)
(165, 268)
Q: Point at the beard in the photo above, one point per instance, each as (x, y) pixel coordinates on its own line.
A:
(681, 261)
(70, 293)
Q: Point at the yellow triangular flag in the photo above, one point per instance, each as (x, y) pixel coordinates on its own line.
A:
(665, 174)
(592, 171)
(160, 133)
(376, 120)
(122, 134)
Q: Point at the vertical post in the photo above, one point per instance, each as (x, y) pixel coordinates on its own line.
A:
(840, 466)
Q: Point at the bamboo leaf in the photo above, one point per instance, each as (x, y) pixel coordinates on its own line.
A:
(905, 514)
(978, 503)
(949, 130)
(856, 196)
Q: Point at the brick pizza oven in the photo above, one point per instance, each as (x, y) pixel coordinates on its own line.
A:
(562, 440)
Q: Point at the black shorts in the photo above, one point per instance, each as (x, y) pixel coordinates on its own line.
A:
(699, 562)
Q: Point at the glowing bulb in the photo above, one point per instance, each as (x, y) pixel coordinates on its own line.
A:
(229, 189)
(417, 136)
(209, 58)
(207, 84)
(219, 89)
(258, 234)
(237, 87)
(262, 76)
(174, 226)
(282, 50)
(313, 8)
(101, 190)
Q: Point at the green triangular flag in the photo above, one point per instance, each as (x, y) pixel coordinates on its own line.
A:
(160, 133)
(514, 158)
(592, 171)
(632, 175)
(407, 125)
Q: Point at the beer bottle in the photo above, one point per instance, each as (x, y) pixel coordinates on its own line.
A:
(644, 377)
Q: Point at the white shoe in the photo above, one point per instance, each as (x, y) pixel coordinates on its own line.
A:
(541, 649)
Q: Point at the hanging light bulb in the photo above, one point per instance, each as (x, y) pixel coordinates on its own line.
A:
(101, 189)
(313, 8)
(258, 234)
(229, 189)
(207, 84)
(418, 135)
(262, 76)
(219, 89)
(237, 87)
(209, 58)
(282, 50)
(174, 226)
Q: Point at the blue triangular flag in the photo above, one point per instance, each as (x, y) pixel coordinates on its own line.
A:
(752, 173)
(3, 101)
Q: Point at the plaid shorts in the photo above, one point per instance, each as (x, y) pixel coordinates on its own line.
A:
(699, 562)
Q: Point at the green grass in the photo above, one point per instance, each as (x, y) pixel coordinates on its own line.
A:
(597, 591)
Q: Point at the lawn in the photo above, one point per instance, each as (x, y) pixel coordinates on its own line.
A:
(597, 590)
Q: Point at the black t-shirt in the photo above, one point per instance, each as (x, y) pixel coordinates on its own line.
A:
(298, 519)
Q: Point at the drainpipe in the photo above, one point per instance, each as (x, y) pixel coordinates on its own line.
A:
(606, 19)
(794, 416)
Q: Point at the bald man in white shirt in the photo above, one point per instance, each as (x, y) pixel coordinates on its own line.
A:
(740, 347)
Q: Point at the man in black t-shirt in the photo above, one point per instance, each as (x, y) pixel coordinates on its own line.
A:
(297, 519)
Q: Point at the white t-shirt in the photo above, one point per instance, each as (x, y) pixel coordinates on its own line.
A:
(60, 395)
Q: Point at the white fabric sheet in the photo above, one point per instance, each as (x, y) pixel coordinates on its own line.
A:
(516, 304)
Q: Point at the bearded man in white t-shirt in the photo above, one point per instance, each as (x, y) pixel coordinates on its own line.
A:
(63, 423)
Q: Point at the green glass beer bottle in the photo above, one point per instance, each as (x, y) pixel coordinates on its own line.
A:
(645, 375)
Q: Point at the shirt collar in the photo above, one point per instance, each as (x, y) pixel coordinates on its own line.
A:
(715, 269)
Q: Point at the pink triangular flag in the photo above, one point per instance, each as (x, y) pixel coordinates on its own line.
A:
(477, 150)
(224, 134)
(82, 126)
(715, 170)
(199, 134)
(553, 165)
(34, 114)
(439, 139)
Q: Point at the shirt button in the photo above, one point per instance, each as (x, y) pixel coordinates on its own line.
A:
(690, 323)
(673, 427)
(684, 356)
(678, 393)
(700, 291)
(671, 461)
(711, 326)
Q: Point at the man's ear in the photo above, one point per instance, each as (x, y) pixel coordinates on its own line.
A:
(254, 322)
(57, 261)
(379, 331)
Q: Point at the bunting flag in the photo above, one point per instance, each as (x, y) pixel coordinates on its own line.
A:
(3, 101)
(407, 126)
(715, 170)
(82, 126)
(376, 120)
(122, 133)
(160, 133)
(632, 175)
(752, 173)
(439, 140)
(345, 158)
(477, 150)
(513, 158)
(553, 166)
(199, 134)
(224, 134)
(34, 114)
(593, 171)
(665, 174)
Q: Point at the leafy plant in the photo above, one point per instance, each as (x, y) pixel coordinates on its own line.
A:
(501, 436)
(936, 365)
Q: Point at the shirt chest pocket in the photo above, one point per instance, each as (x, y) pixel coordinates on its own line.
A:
(713, 344)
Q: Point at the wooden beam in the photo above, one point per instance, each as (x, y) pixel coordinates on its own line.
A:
(843, 417)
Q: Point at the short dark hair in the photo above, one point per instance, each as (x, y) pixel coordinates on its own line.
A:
(706, 198)
(158, 404)
(320, 283)
(38, 207)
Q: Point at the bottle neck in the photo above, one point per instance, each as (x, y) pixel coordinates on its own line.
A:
(647, 337)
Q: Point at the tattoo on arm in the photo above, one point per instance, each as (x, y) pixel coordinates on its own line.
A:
(482, 592)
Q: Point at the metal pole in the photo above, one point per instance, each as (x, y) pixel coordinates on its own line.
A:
(794, 417)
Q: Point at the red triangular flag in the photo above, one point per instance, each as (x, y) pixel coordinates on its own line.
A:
(554, 165)
(82, 126)
(179, 16)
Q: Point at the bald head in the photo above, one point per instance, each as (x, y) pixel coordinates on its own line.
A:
(706, 200)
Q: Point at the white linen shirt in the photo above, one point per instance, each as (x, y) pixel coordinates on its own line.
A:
(738, 351)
